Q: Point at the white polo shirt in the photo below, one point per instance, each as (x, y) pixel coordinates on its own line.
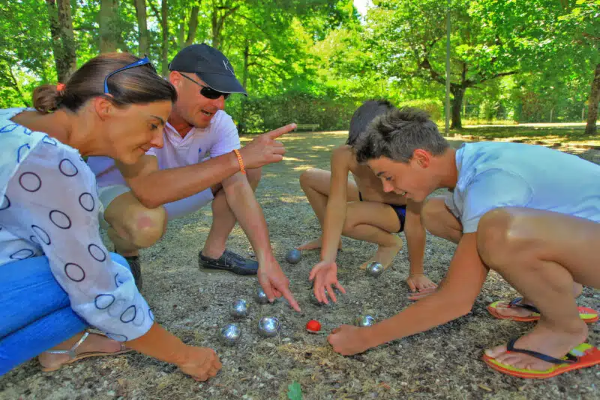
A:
(220, 137)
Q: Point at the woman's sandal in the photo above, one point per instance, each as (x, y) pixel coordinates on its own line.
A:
(73, 356)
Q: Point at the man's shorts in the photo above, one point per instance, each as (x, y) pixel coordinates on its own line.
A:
(176, 209)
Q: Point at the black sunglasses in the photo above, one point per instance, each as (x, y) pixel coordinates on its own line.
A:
(208, 92)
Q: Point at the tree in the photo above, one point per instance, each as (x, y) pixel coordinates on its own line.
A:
(410, 37)
(143, 37)
(108, 25)
(63, 38)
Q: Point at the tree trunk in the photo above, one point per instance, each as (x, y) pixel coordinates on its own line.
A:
(242, 124)
(143, 39)
(458, 92)
(165, 37)
(63, 39)
(108, 26)
(67, 36)
(192, 26)
(590, 128)
(216, 31)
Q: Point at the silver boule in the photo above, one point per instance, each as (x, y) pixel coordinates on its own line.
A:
(269, 326)
(261, 296)
(231, 333)
(365, 320)
(374, 269)
(239, 308)
(293, 256)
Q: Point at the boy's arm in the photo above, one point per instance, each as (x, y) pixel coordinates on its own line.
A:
(335, 213)
(415, 236)
(324, 274)
(455, 298)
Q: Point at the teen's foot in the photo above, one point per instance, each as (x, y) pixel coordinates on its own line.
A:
(93, 343)
(314, 244)
(548, 340)
(504, 308)
(385, 254)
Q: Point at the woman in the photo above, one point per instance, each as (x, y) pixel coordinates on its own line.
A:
(56, 276)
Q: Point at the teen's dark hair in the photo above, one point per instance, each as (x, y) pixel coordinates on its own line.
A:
(364, 115)
(397, 134)
(138, 85)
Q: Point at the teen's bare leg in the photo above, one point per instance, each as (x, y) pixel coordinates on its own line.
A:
(439, 221)
(93, 343)
(132, 225)
(542, 254)
(315, 184)
(224, 220)
(375, 223)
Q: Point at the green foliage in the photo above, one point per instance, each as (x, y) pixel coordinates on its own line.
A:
(315, 61)
(267, 113)
(294, 391)
(434, 107)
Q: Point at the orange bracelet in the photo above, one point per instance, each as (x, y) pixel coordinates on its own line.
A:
(240, 161)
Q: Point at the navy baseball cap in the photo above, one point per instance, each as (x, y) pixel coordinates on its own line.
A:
(210, 65)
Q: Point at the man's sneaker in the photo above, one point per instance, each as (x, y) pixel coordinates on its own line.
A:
(229, 261)
(136, 269)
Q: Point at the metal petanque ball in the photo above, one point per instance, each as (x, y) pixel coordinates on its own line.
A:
(374, 269)
(365, 320)
(293, 256)
(239, 308)
(231, 333)
(261, 296)
(268, 326)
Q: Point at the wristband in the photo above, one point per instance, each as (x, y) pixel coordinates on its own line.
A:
(240, 161)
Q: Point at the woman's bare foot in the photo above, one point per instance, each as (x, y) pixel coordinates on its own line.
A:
(93, 343)
(314, 244)
(385, 254)
(550, 340)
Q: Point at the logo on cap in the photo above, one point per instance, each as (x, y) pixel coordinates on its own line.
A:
(228, 66)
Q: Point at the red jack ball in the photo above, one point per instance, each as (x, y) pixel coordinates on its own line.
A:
(313, 326)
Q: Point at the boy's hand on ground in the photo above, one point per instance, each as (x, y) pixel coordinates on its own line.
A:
(265, 149)
(324, 277)
(348, 340)
(275, 283)
(201, 363)
(420, 286)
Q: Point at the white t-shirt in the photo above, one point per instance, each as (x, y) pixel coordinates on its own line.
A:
(49, 206)
(492, 175)
(220, 137)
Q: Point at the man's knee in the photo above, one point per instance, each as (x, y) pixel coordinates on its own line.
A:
(146, 226)
(499, 236)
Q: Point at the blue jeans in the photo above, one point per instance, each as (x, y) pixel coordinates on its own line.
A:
(35, 312)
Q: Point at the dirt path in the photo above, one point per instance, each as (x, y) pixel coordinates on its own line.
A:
(443, 363)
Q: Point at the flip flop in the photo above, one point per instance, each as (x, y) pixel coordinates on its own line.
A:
(583, 356)
(73, 357)
(588, 315)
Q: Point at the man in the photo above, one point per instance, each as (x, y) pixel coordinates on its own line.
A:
(177, 176)
(514, 208)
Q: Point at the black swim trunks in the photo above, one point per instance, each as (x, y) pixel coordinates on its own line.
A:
(400, 212)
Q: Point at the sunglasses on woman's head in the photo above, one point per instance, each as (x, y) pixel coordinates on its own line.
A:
(138, 63)
(208, 92)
